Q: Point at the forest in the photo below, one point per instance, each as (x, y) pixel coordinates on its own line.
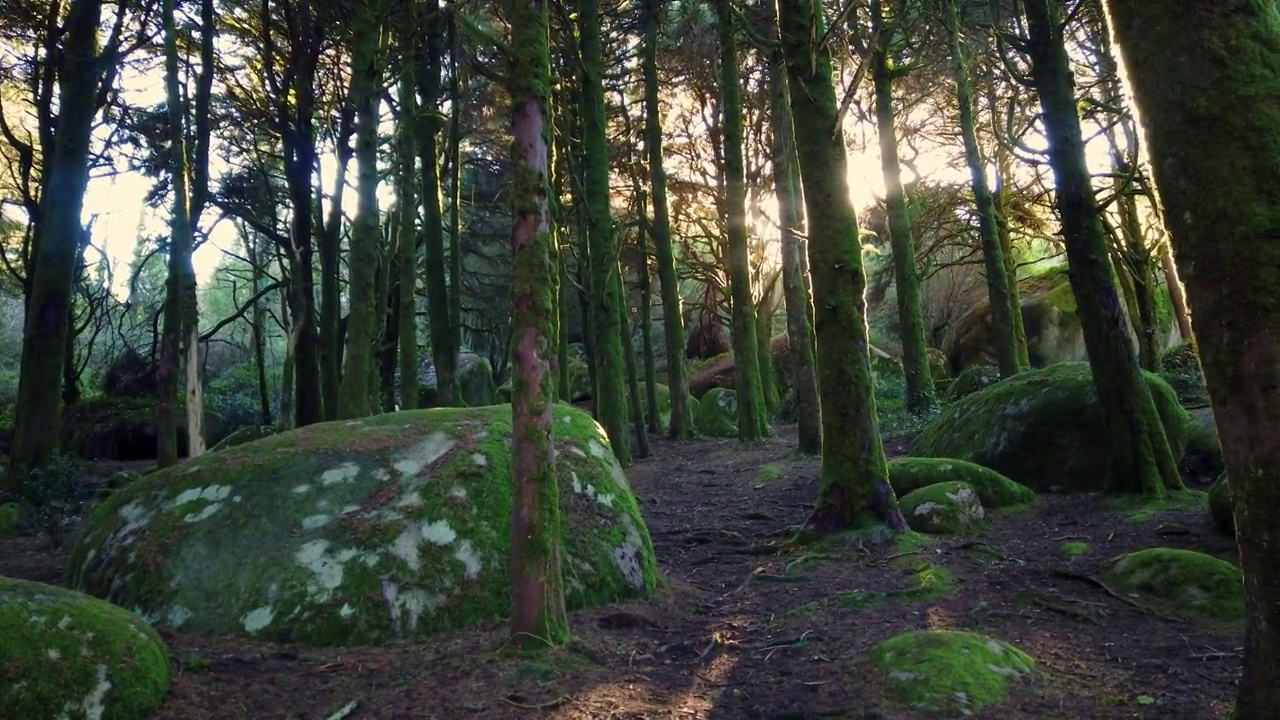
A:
(639, 359)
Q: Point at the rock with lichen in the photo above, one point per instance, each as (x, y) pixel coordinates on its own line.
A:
(993, 489)
(67, 655)
(1184, 583)
(947, 508)
(949, 671)
(717, 414)
(359, 532)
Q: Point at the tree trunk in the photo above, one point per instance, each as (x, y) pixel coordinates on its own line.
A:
(364, 310)
(407, 236)
(915, 358)
(256, 320)
(455, 187)
(854, 488)
(1004, 333)
(610, 396)
(660, 231)
(444, 355)
(753, 421)
(635, 397)
(1205, 76)
(1139, 447)
(1178, 298)
(39, 412)
(538, 617)
(330, 247)
(764, 312)
(653, 422)
(1000, 200)
(795, 291)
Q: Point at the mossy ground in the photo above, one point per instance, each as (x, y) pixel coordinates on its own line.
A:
(994, 490)
(67, 655)
(10, 514)
(1181, 582)
(1074, 549)
(948, 670)
(1141, 508)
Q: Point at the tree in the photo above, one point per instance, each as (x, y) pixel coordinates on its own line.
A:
(406, 200)
(854, 488)
(606, 341)
(753, 421)
(1138, 445)
(660, 231)
(1206, 78)
(538, 615)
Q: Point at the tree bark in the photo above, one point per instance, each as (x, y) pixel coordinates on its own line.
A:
(854, 488)
(635, 397)
(606, 343)
(455, 186)
(538, 617)
(660, 231)
(1206, 77)
(407, 237)
(1178, 298)
(753, 420)
(653, 422)
(1139, 448)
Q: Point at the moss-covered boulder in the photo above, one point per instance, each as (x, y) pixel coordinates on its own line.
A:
(358, 532)
(245, 435)
(994, 490)
(948, 508)
(67, 655)
(10, 515)
(475, 380)
(1202, 457)
(717, 414)
(1180, 582)
(949, 671)
(1042, 428)
(121, 428)
(579, 380)
(971, 380)
(1220, 508)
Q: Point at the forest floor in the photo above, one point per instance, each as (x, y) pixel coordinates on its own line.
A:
(744, 630)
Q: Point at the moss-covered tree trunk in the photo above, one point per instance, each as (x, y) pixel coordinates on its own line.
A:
(660, 231)
(854, 488)
(915, 358)
(1206, 77)
(257, 318)
(1000, 197)
(753, 420)
(646, 314)
(764, 312)
(606, 342)
(635, 396)
(1139, 448)
(329, 247)
(407, 235)
(39, 412)
(538, 617)
(364, 310)
(795, 290)
(444, 354)
(455, 184)
(1004, 334)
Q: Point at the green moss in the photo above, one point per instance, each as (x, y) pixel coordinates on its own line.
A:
(1220, 506)
(1074, 549)
(947, 508)
(1141, 509)
(994, 490)
(1203, 454)
(68, 655)
(971, 380)
(10, 515)
(947, 670)
(1043, 429)
(1181, 582)
(927, 583)
(770, 474)
(475, 381)
(717, 414)
(359, 532)
(244, 435)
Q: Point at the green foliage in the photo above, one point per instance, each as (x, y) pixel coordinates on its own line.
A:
(1180, 367)
(53, 496)
(1180, 582)
(233, 396)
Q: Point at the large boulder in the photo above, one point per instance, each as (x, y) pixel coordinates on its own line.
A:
(123, 428)
(948, 508)
(1049, 318)
(474, 374)
(246, 434)
(358, 532)
(67, 655)
(948, 670)
(1042, 428)
(1180, 582)
(994, 490)
(717, 414)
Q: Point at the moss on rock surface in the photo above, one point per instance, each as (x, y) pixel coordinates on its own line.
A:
(994, 490)
(244, 435)
(1042, 428)
(1180, 582)
(475, 380)
(1224, 517)
(67, 655)
(949, 671)
(717, 414)
(358, 532)
(948, 508)
(10, 513)
(973, 379)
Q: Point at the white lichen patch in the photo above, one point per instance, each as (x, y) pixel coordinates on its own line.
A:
(313, 522)
(469, 558)
(479, 459)
(302, 489)
(65, 622)
(926, 508)
(212, 493)
(627, 555)
(597, 449)
(577, 451)
(411, 499)
(346, 611)
(326, 568)
(423, 454)
(255, 620)
(1004, 670)
(178, 616)
(459, 492)
(346, 472)
(53, 653)
(407, 543)
(205, 513)
(93, 705)
(439, 533)
(407, 607)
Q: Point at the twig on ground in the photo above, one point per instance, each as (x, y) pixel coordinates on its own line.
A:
(548, 705)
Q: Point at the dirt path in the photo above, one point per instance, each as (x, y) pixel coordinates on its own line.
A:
(742, 631)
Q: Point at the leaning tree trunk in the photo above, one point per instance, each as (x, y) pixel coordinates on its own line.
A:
(660, 231)
(915, 356)
(606, 343)
(1206, 76)
(854, 488)
(1004, 332)
(753, 421)
(538, 617)
(1178, 298)
(795, 291)
(364, 310)
(1139, 449)
(39, 412)
(444, 354)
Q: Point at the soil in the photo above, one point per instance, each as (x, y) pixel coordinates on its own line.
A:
(747, 627)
